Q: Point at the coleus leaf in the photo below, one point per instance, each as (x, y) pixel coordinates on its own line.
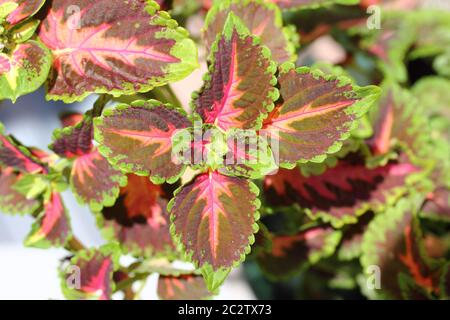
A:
(139, 220)
(437, 205)
(393, 243)
(23, 10)
(411, 290)
(115, 47)
(431, 93)
(74, 141)
(90, 273)
(239, 87)
(315, 113)
(11, 200)
(391, 43)
(24, 31)
(344, 192)
(25, 70)
(296, 4)
(431, 36)
(6, 7)
(71, 119)
(138, 138)
(249, 155)
(263, 19)
(396, 122)
(182, 287)
(350, 246)
(214, 219)
(292, 252)
(94, 181)
(16, 156)
(52, 227)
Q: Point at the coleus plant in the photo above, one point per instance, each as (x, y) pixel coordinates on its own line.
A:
(296, 170)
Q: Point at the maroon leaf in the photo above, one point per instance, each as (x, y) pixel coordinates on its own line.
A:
(182, 287)
(52, 228)
(344, 192)
(25, 9)
(16, 156)
(138, 139)
(74, 141)
(90, 273)
(214, 218)
(95, 181)
(139, 219)
(113, 46)
(315, 113)
(238, 90)
(11, 200)
(263, 20)
(293, 4)
(292, 252)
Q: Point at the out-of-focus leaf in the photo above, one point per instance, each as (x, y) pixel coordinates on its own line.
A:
(139, 220)
(316, 112)
(89, 276)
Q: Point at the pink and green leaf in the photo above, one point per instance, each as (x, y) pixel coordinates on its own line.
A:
(290, 253)
(24, 70)
(16, 156)
(94, 181)
(52, 227)
(11, 200)
(342, 193)
(115, 47)
(391, 43)
(315, 114)
(138, 139)
(263, 20)
(239, 87)
(94, 269)
(24, 9)
(139, 220)
(214, 218)
(396, 122)
(394, 243)
(249, 155)
(182, 287)
(74, 141)
(305, 4)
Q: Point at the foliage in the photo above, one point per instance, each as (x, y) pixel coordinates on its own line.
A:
(350, 172)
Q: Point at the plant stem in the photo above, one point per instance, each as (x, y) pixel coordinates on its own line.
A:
(100, 104)
(129, 293)
(164, 94)
(74, 245)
